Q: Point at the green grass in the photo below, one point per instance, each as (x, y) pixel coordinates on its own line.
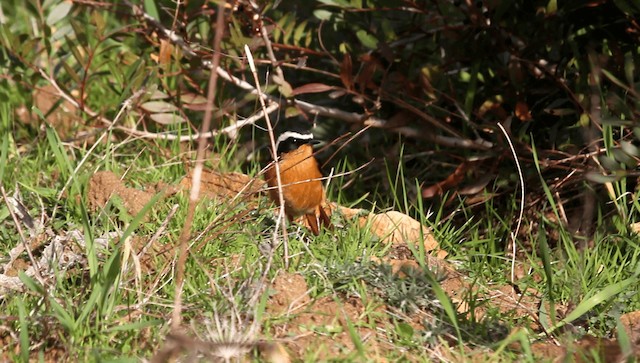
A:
(105, 309)
(112, 305)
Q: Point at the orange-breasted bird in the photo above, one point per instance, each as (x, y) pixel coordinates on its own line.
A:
(300, 176)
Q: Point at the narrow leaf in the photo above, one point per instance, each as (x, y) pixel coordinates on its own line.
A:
(59, 12)
(24, 331)
(346, 72)
(151, 9)
(167, 118)
(311, 88)
(600, 178)
(158, 107)
(367, 39)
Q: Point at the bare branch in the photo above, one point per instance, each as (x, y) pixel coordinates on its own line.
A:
(351, 117)
(176, 316)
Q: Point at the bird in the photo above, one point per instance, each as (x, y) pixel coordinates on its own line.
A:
(300, 176)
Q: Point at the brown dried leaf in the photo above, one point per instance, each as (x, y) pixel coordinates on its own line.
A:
(346, 72)
(392, 227)
(312, 88)
(451, 181)
(477, 185)
(398, 228)
(166, 49)
(523, 112)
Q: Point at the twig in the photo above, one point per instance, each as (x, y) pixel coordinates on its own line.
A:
(272, 57)
(224, 131)
(159, 231)
(272, 139)
(351, 117)
(324, 178)
(23, 239)
(171, 35)
(522, 191)
(197, 173)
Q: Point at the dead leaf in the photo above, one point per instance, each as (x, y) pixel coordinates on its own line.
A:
(523, 112)
(398, 228)
(346, 72)
(312, 88)
(450, 182)
(166, 49)
(391, 227)
(477, 185)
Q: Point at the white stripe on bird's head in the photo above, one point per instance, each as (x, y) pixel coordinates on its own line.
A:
(292, 136)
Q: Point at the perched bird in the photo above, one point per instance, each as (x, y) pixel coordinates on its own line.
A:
(300, 176)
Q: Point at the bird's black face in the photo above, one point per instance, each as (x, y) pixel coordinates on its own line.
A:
(291, 140)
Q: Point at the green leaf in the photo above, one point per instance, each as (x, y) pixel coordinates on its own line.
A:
(405, 330)
(71, 72)
(62, 315)
(24, 331)
(629, 148)
(89, 305)
(151, 9)
(548, 271)
(518, 335)
(98, 20)
(597, 177)
(546, 260)
(76, 53)
(80, 31)
(111, 273)
(61, 158)
(159, 107)
(339, 3)
(367, 39)
(4, 149)
(444, 300)
(601, 296)
(355, 337)
(299, 32)
(167, 118)
(623, 157)
(608, 161)
(59, 12)
(322, 14)
(30, 283)
(135, 326)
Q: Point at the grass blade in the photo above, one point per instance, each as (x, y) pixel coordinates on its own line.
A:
(24, 331)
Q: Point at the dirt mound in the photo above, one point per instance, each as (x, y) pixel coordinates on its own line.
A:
(322, 326)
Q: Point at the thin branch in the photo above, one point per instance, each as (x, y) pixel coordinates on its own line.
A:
(272, 57)
(351, 117)
(23, 239)
(229, 130)
(272, 139)
(197, 173)
(522, 191)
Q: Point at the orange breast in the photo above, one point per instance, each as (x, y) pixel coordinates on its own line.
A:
(301, 195)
